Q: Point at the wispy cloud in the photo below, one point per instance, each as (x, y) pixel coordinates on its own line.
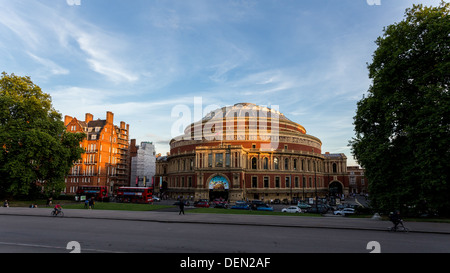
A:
(101, 58)
(78, 100)
(231, 57)
(39, 27)
(11, 17)
(49, 66)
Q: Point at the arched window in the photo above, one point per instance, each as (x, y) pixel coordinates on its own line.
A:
(295, 164)
(334, 168)
(254, 163)
(275, 163)
(286, 164)
(266, 163)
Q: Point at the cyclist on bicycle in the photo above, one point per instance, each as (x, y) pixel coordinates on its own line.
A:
(57, 209)
(395, 218)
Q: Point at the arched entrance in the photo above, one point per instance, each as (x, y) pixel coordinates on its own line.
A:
(218, 187)
(335, 187)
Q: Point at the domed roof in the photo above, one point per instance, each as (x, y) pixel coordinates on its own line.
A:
(253, 112)
(244, 122)
(245, 109)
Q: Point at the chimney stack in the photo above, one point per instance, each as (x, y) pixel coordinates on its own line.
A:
(109, 117)
(89, 117)
(67, 120)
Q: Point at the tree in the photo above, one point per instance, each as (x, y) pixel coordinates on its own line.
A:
(35, 148)
(402, 125)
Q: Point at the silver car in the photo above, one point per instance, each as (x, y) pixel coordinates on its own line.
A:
(292, 209)
(344, 211)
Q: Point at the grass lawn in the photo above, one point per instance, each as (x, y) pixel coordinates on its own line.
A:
(70, 204)
(41, 203)
(119, 206)
(250, 212)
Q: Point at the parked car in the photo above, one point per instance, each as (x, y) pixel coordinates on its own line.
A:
(343, 206)
(202, 204)
(265, 208)
(218, 201)
(221, 205)
(292, 209)
(156, 199)
(345, 211)
(201, 200)
(254, 204)
(303, 205)
(177, 203)
(313, 209)
(241, 205)
(325, 208)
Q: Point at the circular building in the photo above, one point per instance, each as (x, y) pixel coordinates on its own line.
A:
(246, 151)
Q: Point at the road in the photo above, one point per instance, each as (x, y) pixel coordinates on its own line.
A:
(33, 234)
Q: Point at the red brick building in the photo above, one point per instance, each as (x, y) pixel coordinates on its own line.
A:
(358, 182)
(248, 151)
(106, 158)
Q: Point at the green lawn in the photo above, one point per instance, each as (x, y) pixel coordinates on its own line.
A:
(119, 206)
(41, 203)
(250, 212)
(70, 204)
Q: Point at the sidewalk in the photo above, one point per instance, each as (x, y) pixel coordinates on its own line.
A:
(231, 219)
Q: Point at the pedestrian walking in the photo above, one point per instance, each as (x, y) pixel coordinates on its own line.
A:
(91, 203)
(49, 202)
(181, 207)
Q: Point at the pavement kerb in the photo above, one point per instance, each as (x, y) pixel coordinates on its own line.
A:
(218, 222)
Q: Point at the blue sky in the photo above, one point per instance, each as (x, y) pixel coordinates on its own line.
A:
(142, 58)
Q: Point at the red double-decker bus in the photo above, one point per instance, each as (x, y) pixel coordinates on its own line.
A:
(99, 193)
(135, 194)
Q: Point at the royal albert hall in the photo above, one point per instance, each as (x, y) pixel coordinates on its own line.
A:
(246, 151)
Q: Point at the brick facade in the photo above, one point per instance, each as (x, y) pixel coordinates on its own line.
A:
(358, 182)
(292, 169)
(106, 158)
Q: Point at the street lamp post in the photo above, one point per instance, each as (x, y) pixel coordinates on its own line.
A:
(290, 184)
(315, 184)
(303, 186)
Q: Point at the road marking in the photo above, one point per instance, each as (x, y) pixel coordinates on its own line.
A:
(357, 202)
(57, 247)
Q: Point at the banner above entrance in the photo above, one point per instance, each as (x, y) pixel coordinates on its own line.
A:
(218, 182)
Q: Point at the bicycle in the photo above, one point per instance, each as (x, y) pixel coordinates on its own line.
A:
(400, 227)
(59, 213)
